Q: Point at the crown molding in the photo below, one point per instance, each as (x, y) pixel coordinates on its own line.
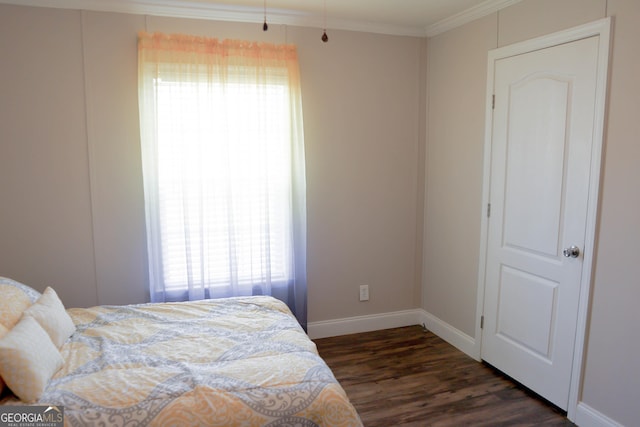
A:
(173, 8)
(466, 16)
(219, 12)
(370, 27)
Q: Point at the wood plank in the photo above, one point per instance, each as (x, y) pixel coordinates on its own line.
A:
(410, 377)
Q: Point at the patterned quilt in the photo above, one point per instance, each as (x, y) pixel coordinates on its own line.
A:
(231, 362)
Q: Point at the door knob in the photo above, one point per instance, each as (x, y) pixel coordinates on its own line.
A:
(571, 252)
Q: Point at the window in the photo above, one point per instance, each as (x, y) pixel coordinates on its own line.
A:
(228, 197)
(223, 165)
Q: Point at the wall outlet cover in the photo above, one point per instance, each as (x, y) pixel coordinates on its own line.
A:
(364, 292)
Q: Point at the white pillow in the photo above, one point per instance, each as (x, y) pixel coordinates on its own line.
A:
(3, 332)
(51, 315)
(28, 359)
(31, 293)
(16, 297)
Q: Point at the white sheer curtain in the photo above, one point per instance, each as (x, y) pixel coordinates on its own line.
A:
(224, 169)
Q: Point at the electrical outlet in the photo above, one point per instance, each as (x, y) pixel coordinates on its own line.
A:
(364, 292)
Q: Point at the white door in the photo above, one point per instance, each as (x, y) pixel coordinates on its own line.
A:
(541, 153)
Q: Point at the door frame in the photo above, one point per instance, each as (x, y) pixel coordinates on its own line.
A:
(602, 29)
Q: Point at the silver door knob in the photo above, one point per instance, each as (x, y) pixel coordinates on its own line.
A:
(572, 252)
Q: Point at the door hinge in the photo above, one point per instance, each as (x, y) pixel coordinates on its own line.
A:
(493, 102)
(481, 322)
(488, 210)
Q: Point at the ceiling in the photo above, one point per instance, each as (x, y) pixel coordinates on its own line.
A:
(401, 17)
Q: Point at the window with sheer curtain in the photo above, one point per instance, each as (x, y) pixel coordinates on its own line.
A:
(223, 167)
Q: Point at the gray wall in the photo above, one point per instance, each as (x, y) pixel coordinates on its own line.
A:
(70, 171)
(457, 64)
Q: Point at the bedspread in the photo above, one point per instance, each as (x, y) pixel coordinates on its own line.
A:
(236, 361)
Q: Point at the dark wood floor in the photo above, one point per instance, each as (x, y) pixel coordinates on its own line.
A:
(410, 377)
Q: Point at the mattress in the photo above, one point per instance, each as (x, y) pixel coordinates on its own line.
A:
(228, 362)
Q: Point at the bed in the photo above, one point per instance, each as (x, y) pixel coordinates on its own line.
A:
(236, 361)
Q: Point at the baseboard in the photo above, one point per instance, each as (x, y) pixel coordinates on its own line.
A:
(358, 324)
(450, 334)
(586, 416)
(396, 319)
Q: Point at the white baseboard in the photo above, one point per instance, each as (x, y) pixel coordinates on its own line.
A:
(358, 324)
(586, 416)
(397, 319)
(450, 334)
